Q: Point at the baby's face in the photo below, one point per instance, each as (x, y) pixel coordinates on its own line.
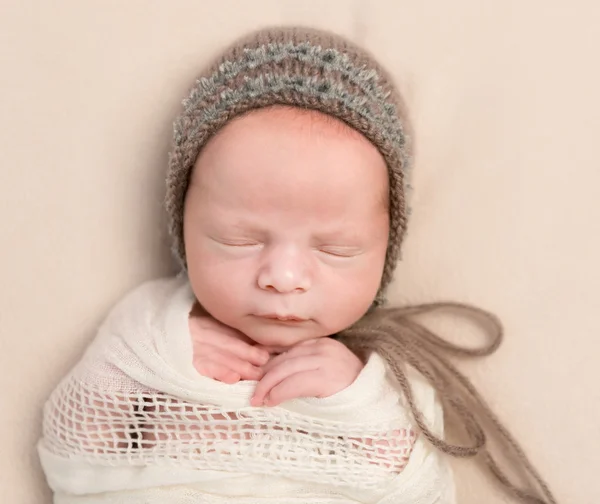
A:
(286, 226)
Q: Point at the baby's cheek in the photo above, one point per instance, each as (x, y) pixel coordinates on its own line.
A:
(343, 306)
(219, 296)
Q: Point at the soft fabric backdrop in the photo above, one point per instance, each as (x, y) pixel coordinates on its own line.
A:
(506, 105)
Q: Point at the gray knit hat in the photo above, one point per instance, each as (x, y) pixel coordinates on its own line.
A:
(304, 68)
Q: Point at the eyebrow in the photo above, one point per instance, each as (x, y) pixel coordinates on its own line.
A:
(346, 233)
(246, 226)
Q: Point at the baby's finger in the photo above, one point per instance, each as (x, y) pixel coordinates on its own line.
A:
(298, 351)
(225, 375)
(303, 384)
(217, 371)
(218, 356)
(283, 371)
(240, 349)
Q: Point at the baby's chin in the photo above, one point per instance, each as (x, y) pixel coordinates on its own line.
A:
(282, 334)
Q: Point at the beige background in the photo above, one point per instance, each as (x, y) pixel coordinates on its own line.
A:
(506, 101)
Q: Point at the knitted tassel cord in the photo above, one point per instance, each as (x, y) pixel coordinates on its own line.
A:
(401, 340)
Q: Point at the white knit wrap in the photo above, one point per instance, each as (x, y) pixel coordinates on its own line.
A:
(135, 423)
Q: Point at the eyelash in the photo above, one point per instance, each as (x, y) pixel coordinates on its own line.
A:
(241, 245)
(334, 253)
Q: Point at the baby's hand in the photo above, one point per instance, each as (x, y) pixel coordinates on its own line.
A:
(222, 353)
(314, 368)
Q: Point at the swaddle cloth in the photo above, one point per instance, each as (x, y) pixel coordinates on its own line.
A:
(134, 420)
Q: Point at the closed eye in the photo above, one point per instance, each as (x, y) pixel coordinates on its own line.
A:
(238, 243)
(242, 244)
(340, 251)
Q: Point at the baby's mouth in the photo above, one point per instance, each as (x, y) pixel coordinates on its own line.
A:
(282, 317)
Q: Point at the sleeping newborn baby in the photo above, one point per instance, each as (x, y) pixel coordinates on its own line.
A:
(267, 370)
(228, 381)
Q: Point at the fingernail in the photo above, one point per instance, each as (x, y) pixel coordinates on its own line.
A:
(253, 401)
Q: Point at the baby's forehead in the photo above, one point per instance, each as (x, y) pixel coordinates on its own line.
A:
(303, 120)
(285, 133)
(286, 155)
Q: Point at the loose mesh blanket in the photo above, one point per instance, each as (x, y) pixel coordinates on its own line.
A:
(134, 416)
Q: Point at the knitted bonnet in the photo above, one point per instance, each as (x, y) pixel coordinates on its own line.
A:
(297, 67)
